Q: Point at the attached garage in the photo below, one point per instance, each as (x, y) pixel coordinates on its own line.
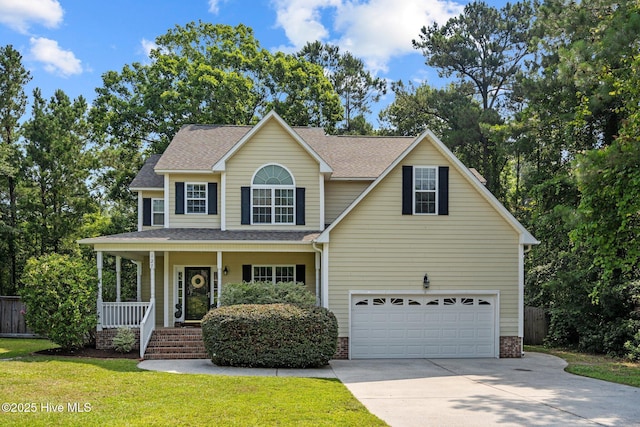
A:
(461, 325)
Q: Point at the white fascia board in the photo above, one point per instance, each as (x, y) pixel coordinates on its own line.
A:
(139, 189)
(185, 171)
(221, 164)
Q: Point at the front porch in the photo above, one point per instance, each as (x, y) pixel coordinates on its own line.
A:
(178, 281)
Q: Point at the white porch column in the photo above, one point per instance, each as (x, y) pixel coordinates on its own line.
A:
(325, 275)
(317, 266)
(152, 274)
(219, 264)
(138, 280)
(166, 288)
(118, 277)
(99, 303)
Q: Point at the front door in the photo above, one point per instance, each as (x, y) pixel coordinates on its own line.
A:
(198, 292)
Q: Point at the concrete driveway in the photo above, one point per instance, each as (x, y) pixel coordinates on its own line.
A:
(533, 390)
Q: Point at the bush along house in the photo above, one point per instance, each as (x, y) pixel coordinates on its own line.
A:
(399, 239)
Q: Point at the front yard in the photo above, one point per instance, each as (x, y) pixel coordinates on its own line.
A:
(41, 390)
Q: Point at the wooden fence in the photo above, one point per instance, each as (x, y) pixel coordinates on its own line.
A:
(536, 325)
(12, 322)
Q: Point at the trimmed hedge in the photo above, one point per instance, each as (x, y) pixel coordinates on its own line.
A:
(270, 336)
(267, 293)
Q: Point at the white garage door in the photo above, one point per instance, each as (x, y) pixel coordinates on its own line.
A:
(436, 326)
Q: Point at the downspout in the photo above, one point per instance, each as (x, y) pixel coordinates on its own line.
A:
(318, 261)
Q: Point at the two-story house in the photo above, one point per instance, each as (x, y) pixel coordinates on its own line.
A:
(414, 256)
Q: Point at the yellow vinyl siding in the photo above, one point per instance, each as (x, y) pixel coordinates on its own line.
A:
(377, 248)
(156, 194)
(340, 194)
(192, 220)
(272, 145)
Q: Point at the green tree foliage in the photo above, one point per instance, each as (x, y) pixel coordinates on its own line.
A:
(484, 47)
(55, 196)
(356, 86)
(60, 294)
(13, 101)
(202, 73)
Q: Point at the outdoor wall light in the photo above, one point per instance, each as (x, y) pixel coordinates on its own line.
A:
(225, 271)
(425, 280)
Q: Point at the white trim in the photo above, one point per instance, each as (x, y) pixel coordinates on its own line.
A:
(140, 211)
(166, 201)
(525, 236)
(139, 189)
(223, 201)
(221, 164)
(272, 188)
(176, 290)
(521, 291)
(182, 171)
(325, 275)
(99, 266)
(118, 277)
(220, 275)
(165, 262)
(414, 191)
(322, 201)
(492, 293)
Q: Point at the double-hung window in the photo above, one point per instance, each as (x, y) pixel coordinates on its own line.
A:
(273, 196)
(274, 273)
(196, 198)
(425, 185)
(157, 211)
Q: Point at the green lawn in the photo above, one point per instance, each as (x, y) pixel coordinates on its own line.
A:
(116, 392)
(596, 366)
(12, 347)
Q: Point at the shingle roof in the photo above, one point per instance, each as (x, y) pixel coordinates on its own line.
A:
(146, 177)
(204, 235)
(199, 147)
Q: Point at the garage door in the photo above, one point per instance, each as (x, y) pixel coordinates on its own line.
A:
(407, 326)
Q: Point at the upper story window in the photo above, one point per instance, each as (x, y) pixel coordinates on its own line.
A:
(157, 211)
(196, 197)
(425, 187)
(273, 196)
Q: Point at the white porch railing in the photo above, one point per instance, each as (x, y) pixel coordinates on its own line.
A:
(128, 314)
(147, 325)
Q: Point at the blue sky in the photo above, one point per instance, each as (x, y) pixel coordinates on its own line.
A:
(69, 44)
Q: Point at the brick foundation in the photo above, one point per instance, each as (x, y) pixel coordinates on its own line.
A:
(510, 347)
(104, 338)
(342, 352)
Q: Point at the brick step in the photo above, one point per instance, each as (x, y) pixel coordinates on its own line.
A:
(174, 356)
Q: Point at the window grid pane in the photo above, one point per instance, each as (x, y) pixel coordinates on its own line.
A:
(196, 198)
(285, 274)
(157, 210)
(283, 206)
(425, 184)
(263, 274)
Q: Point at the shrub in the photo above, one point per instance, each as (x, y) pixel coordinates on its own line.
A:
(267, 293)
(60, 293)
(124, 340)
(270, 336)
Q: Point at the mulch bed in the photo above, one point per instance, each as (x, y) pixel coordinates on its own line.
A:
(90, 352)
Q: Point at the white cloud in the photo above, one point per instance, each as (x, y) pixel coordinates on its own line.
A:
(55, 59)
(214, 6)
(374, 30)
(18, 14)
(148, 46)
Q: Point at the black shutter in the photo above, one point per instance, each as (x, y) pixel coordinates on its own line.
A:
(179, 198)
(300, 206)
(443, 190)
(146, 211)
(212, 196)
(246, 272)
(300, 273)
(245, 204)
(407, 190)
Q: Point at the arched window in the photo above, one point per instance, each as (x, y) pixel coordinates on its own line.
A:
(273, 196)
